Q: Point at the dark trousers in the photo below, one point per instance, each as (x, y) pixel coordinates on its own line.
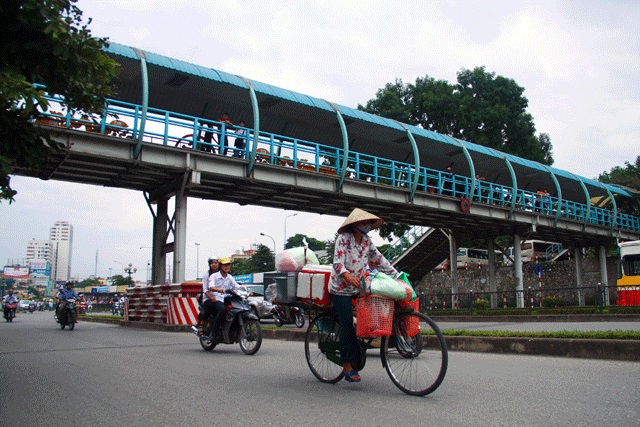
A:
(215, 309)
(349, 351)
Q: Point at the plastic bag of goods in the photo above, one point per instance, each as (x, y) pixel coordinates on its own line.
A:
(381, 284)
(295, 259)
(410, 293)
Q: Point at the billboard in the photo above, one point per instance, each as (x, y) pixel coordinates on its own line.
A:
(16, 272)
(244, 279)
(40, 268)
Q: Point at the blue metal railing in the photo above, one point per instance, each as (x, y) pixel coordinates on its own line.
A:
(122, 119)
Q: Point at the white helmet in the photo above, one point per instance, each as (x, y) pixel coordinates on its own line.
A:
(212, 258)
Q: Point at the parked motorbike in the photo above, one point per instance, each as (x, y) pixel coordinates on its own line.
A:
(238, 325)
(68, 314)
(288, 316)
(10, 311)
(32, 307)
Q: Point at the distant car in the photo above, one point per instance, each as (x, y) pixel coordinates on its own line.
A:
(259, 306)
(24, 304)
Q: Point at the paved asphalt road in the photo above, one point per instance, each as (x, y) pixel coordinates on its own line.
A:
(106, 375)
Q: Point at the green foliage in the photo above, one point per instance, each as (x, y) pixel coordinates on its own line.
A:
(296, 242)
(481, 304)
(390, 229)
(617, 334)
(44, 42)
(482, 108)
(550, 302)
(88, 282)
(35, 293)
(261, 261)
(628, 177)
(119, 280)
(330, 246)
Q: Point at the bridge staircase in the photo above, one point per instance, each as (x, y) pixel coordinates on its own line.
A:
(419, 251)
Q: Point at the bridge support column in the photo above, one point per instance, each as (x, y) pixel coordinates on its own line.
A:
(160, 233)
(604, 279)
(453, 266)
(180, 238)
(517, 270)
(493, 283)
(579, 284)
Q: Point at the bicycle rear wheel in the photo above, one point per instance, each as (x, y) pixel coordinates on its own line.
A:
(322, 348)
(416, 363)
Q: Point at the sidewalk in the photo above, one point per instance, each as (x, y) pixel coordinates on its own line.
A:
(628, 350)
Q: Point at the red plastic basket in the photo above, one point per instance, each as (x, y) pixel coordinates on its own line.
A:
(375, 316)
(411, 325)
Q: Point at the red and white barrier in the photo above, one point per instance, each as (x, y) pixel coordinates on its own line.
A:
(183, 311)
(152, 304)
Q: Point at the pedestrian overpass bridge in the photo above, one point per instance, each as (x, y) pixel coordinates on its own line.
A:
(161, 136)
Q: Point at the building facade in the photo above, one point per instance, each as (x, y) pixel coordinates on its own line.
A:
(61, 240)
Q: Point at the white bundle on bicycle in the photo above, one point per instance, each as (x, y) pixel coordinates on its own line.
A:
(387, 286)
(295, 259)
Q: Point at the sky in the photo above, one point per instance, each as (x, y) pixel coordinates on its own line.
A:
(578, 62)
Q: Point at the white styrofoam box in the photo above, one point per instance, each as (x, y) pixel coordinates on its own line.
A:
(312, 286)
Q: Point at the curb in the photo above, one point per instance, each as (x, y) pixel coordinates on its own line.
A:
(603, 349)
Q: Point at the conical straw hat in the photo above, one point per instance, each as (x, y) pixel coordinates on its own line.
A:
(358, 215)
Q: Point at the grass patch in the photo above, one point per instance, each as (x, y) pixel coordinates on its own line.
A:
(604, 335)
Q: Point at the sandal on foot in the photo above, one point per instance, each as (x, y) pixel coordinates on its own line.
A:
(352, 376)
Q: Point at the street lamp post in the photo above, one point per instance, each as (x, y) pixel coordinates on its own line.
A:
(274, 246)
(197, 260)
(130, 270)
(284, 246)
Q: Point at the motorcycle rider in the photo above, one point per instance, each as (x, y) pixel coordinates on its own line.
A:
(219, 283)
(63, 295)
(214, 267)
(9, 299)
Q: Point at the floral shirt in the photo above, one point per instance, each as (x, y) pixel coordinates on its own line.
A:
(353, 258)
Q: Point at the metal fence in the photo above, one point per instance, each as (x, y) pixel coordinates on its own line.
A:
(598, 296)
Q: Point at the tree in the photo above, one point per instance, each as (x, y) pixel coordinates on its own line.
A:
(119, 280)
(88, 282)
(628, 177)
(46, 43)
(261, 261)
(390, 229)
(480, 108)
(297, 242)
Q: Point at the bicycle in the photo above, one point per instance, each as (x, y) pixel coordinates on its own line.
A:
(415, 355)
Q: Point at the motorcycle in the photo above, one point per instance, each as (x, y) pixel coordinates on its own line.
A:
(82, 307)
(10, 311)
(288, 316)
(32, 307)
(238, 325)
(116, 310)
(68, 314)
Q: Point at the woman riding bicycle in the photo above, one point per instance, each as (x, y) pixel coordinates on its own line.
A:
(354, 252)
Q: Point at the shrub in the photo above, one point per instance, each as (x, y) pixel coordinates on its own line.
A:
(550, 302)
(481, 304)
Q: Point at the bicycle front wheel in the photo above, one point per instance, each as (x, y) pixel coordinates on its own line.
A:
(416, 363)
(322, 349)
